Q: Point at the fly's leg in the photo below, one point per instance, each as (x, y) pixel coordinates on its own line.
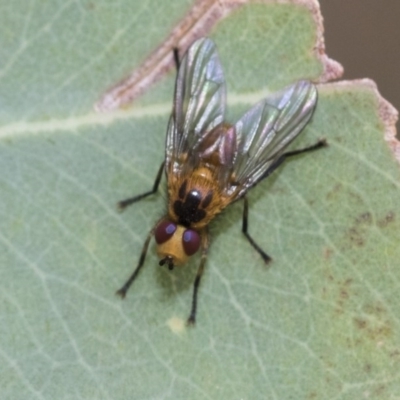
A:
(127, 202)
(259, 250)
(204, 251)
(176, 58)
(122, 292)
(320, 144)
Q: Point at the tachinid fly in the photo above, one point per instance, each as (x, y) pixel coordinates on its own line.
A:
(210, 164)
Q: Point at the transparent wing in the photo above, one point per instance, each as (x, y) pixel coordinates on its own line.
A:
(267, 129)
(199, 101)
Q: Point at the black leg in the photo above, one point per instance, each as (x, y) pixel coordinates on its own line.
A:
(122, 292)
(319, 145)
(205, 245)
(127, 202)
(260, 251)
(176, 57)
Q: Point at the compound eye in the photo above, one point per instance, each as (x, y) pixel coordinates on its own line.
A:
(164, 231)
(190, 241)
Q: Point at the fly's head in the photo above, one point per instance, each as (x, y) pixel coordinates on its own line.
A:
(175, 243)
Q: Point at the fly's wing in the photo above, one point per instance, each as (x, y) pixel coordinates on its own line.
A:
(199, 103)
(267, 129)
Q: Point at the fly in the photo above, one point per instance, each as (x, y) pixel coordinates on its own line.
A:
(210, 164)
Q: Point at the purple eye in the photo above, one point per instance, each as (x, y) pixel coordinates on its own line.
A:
(190, 241)
(164, 231)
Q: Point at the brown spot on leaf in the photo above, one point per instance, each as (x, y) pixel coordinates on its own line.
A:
(374, 324)
(364, 218)
(344, 292)
(327, 252)
(387, 219)
(338, 291)
(356, 235)
(368, 368)
(360, 323)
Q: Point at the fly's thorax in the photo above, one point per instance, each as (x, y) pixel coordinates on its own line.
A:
(175, 242)
(195, 199)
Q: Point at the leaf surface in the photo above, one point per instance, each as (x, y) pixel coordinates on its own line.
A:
(320, 322)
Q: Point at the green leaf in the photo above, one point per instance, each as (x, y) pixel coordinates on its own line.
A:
(320, 322)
